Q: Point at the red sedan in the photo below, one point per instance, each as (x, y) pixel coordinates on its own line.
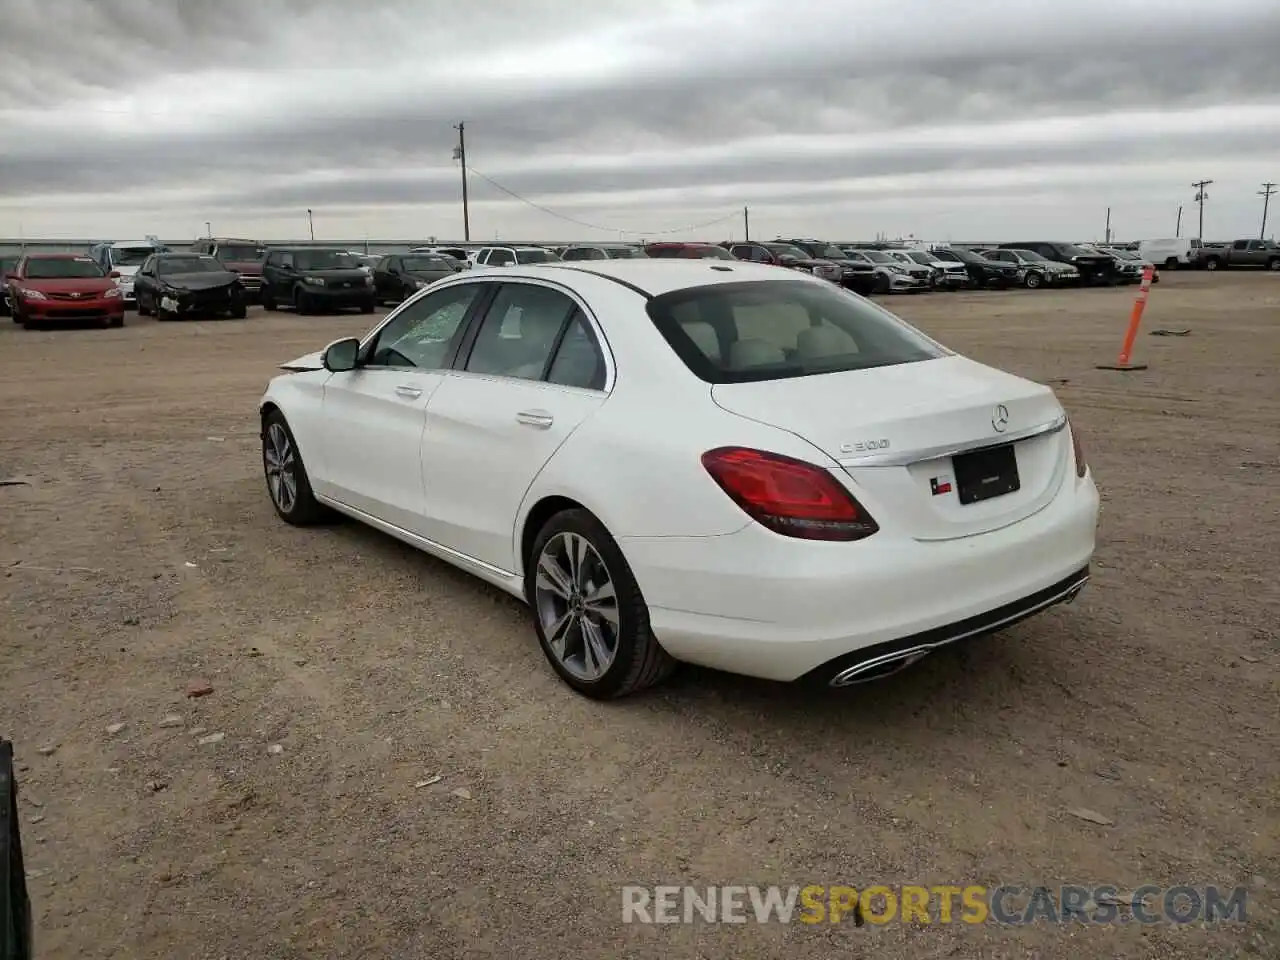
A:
(50, 288)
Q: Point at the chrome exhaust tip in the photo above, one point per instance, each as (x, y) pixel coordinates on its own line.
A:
(878, 668)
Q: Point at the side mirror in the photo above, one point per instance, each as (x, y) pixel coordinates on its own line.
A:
(342, 355)
(114, 274)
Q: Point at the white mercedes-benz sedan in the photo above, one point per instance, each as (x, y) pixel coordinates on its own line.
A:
(693, 460)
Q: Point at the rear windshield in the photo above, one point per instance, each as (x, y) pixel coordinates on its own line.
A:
(430, 262)
(774, 329)
(535, 256)
(324, 260)
(625, 253)
(62, 268)
(240, 253)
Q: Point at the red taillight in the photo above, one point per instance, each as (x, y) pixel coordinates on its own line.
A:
(790, 497)
(1082, 467)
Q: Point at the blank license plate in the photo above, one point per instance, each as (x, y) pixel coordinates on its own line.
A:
(984, 474)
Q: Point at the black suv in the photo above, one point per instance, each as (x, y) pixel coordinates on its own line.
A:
(316, 278)
(856, 275)
(1095, 268)
(982, 272)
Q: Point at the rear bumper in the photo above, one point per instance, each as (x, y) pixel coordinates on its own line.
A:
(769, 606)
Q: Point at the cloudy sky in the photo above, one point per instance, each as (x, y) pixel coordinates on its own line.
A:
(842, 119)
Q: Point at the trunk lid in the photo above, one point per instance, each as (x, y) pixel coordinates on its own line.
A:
(894, 431)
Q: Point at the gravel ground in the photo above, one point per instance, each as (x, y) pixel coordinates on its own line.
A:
(294, 811)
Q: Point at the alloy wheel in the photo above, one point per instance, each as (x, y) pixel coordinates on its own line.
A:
(281, 466)
(577, 606)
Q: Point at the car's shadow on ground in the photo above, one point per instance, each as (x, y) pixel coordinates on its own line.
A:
(998, 671)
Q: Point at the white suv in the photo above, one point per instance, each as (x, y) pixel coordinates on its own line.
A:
(513, 256)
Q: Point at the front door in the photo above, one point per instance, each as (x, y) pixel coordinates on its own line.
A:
(535, 371)
(374, 415)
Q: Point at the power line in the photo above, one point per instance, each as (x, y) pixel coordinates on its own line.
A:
(595, 226)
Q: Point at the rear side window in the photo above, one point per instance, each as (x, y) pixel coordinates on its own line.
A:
(774, 329)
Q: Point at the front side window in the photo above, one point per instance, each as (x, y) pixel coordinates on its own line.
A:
(422, 334)
(519, 331)
(774, 329)
(62, 268)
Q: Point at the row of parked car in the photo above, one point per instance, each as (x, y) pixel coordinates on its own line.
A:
(222, 275)
(866, 268)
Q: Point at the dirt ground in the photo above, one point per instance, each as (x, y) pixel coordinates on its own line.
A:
(348, 670)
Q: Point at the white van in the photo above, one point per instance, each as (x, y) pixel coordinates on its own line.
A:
(1170, 253)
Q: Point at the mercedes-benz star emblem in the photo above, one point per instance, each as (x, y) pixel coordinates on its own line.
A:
(1000, 418)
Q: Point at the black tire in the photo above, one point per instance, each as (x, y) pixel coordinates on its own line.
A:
(1212, 264)
(239, 311)
(268, 302)
(1273, 264)
(639, 661)
(116, 322)
(1171, 263)
(301, 302)
(302, 509)
(367, 307)
(143, 309)
(1033, 280)
(883, 284)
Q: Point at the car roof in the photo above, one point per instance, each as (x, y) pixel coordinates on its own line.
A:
(51, 255)
(656, 277)
(136, 243)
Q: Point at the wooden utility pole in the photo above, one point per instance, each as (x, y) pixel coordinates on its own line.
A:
(1201, 196)
(1265, 193)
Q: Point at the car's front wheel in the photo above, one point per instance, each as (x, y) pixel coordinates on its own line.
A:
(590, 616)
(287, 480)
(301, 302)
(1033, 280)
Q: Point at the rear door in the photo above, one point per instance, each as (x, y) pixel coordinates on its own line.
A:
(534, 369)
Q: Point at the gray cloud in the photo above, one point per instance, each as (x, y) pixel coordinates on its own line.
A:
(229, 100)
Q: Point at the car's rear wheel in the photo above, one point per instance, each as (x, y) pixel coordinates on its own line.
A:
(1171, 263)
(286, 474)
(590, 616)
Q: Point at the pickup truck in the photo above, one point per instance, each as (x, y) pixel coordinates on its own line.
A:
(1241, 253)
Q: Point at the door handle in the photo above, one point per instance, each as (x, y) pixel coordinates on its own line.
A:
(411, 393)
(535, 418)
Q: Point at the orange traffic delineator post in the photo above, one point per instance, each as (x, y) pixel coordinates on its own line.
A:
(1135, 320)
